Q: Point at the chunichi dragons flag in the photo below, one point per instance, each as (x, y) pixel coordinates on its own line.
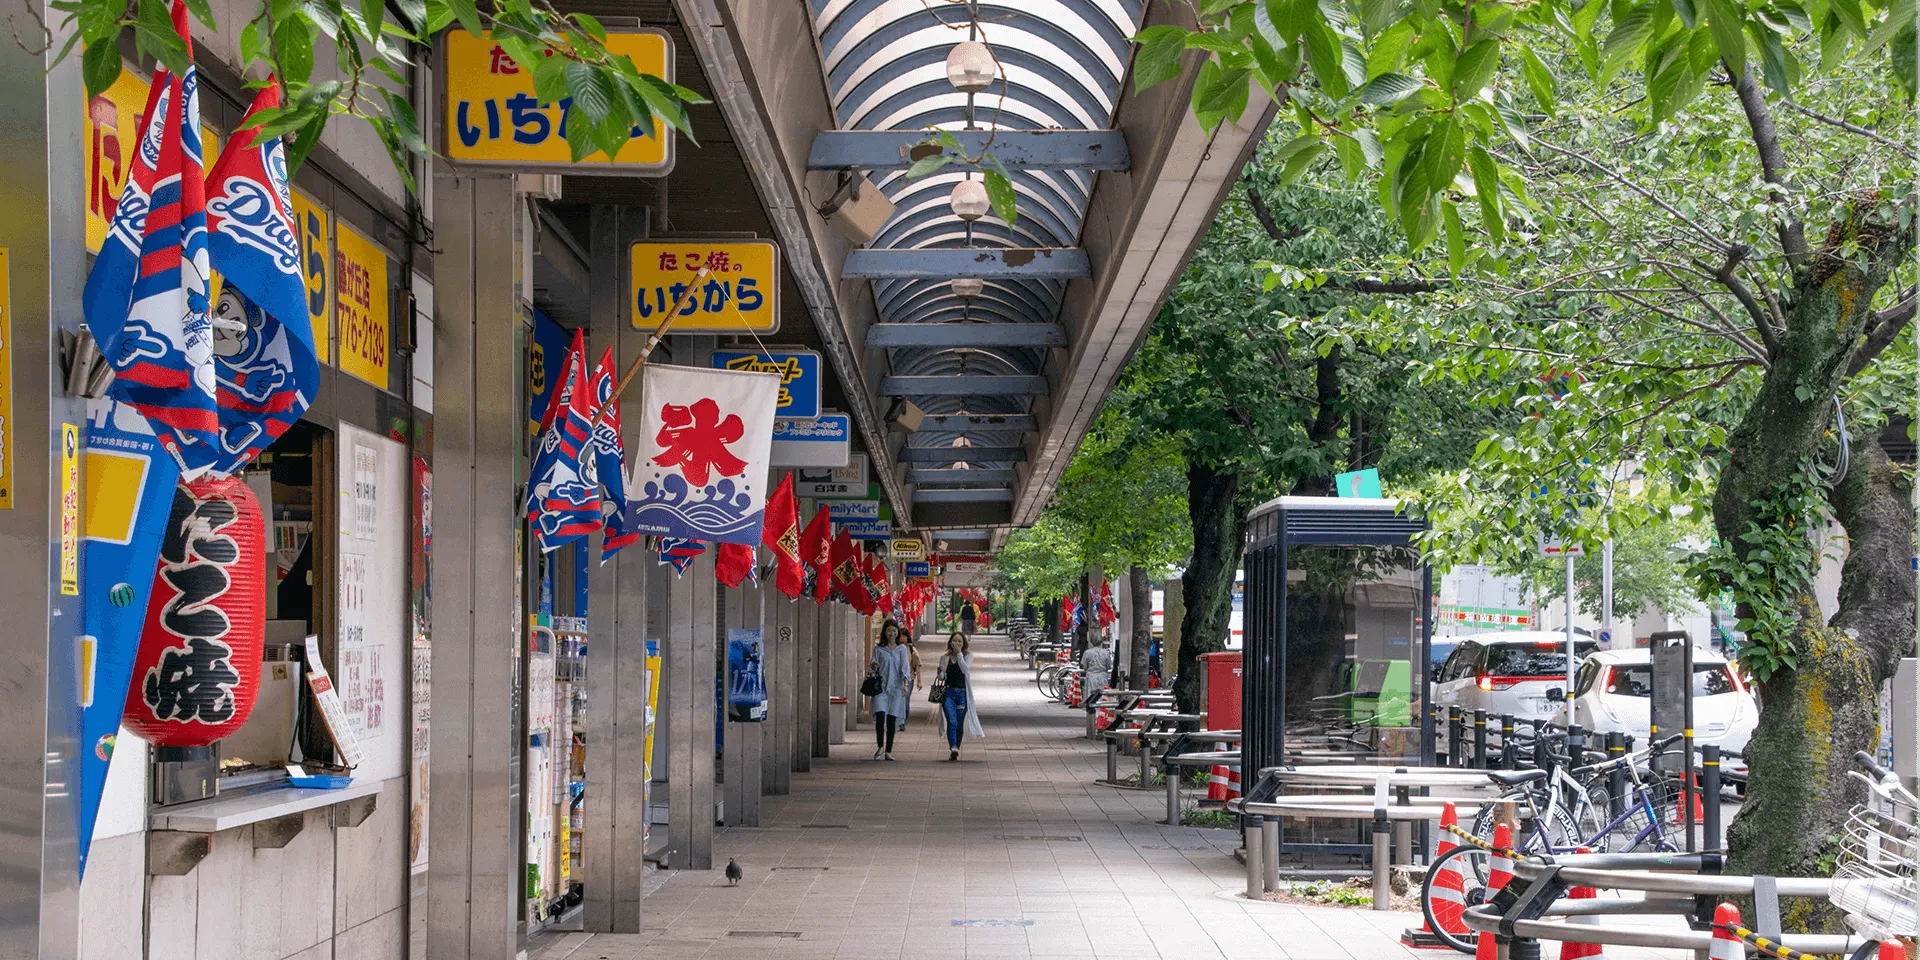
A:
(700, 468)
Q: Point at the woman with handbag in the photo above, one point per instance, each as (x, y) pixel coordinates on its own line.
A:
(953, 691)
(889, 676)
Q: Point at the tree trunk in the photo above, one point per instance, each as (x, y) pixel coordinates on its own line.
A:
(1051, 621)
(1817, 713)
(1170, 630)
(1219, 537)
(1141, 588)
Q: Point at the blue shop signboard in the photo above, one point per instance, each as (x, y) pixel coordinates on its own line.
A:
(799, 372)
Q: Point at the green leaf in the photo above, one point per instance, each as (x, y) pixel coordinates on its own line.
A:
(1688, 14)
(1628, 37)
(1297, 166)
(1369, 145)
(293, 39)
(591, 25)
(1291, 147)
(1486, 187)
(1376, 15)
(1475, 68)
(550, 79)
(1900, 59)
(1390, 49)
(440, 15)
(203, 12)
(1586, 16)
(1388, 88)
(253, 43)
(1264, 23)
(592, 92)
(1456, 239)
(1727, 19)
(1539, 80)
(304, 141)
(1445, 153)
(1777, 66)
(100, 65)
(1158, 58)
(1220, 94)
(1000, 194)
(1329, 64)
(927, 165)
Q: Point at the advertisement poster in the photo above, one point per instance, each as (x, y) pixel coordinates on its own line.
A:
(740, 294)
(360, 305)
(493, 116)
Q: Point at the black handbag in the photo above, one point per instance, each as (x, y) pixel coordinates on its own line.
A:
(870, 687)
(937, 693)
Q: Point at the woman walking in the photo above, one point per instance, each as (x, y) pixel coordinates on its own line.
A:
(894, 670)
(956, 705)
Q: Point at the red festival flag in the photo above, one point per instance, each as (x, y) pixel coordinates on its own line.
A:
(847, 573)
(732, 563)
(816, 551)
(780, 532)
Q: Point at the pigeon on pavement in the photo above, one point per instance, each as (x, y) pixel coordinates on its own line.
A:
(733, 873)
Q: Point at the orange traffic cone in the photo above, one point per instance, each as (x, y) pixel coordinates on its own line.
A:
(1726, 944)
(1233, 783)
(1574, 949)
(1497, 879)
(1699, 811)
(1449, 894)
(1217, 785)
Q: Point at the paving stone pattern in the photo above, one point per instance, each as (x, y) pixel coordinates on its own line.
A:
(1014, 852)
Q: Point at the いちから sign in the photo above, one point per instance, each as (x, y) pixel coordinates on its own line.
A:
(493, 117)
(740, 294)
(360, 301)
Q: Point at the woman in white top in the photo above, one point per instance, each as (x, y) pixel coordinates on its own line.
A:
(890, 663)
(956, 671)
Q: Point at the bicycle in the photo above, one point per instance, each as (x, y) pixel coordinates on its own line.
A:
(1876, 882)
(1573, 807)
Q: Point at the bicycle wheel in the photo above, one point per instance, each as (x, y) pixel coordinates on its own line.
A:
(1559, 834)
(1470, 866)
(1048, 681)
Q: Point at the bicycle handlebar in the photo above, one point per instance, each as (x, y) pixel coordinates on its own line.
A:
(1865, 759)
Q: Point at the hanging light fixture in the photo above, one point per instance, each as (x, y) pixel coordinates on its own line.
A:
(969, 200)
(966, 288)
(970, 66)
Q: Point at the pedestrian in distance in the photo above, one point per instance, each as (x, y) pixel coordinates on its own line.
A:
(894, 669)
(967, 618)
(905, 640)
(956, 700)
(1097, 663)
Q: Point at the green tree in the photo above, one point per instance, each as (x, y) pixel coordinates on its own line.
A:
(1674, 233)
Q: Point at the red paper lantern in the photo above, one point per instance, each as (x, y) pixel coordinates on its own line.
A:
(198, 669)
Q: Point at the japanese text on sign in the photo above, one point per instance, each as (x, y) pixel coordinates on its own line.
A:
(360, 301)
(494, 117)
(740, 293)
(799, 372)
(113, 121)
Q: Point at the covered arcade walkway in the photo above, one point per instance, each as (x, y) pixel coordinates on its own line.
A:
(1014, 852)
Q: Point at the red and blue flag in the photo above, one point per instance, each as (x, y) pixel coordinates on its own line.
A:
(146, 298)
(563, 497)
(679, 552)
(610, 461)
(263, 349)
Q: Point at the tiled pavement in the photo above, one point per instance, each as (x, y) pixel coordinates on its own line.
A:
(1015, 852)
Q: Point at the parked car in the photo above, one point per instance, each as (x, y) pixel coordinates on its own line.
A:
(1614, 691)
(1437, 655)
(1509, 672)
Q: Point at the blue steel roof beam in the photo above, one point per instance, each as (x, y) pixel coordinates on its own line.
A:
(957, 424)
(959, 454)
(1052, 81)
(948, 361)
(957, 478)
(883, 22)
(1017, 150)
(1068, 263)
(956, 314)
(943, 495)
(995, 306)
(1062, 193)
(966, 335)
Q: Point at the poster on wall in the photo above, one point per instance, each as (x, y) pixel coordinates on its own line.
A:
(360, 305)
(420, 686)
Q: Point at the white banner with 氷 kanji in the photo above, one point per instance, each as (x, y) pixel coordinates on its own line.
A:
(700, 471)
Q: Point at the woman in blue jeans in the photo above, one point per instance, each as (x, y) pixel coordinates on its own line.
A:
(956, 671)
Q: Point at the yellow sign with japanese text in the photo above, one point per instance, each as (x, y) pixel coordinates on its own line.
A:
(741, 293)
(494, 118)
(69, 510)
(113, 134)
(360, 303)
(314, 224)
(6, 380)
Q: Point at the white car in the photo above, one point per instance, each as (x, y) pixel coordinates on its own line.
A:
(1508, 672)
(1614, 691)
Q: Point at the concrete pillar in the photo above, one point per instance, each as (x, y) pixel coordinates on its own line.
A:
(741, 751)
(833, 623)
(806, 700)
(823, 682)
(689, 666)
(776, 749)
(615, 806)
(43, 235)
(475, 878)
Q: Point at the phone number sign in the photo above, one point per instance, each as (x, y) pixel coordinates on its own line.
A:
(739, 294)
(494, 118)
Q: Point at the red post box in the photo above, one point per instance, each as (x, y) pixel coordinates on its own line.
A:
(1222, 693)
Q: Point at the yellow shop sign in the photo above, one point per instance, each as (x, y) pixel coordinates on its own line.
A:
(494, 118)
(740, 294)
